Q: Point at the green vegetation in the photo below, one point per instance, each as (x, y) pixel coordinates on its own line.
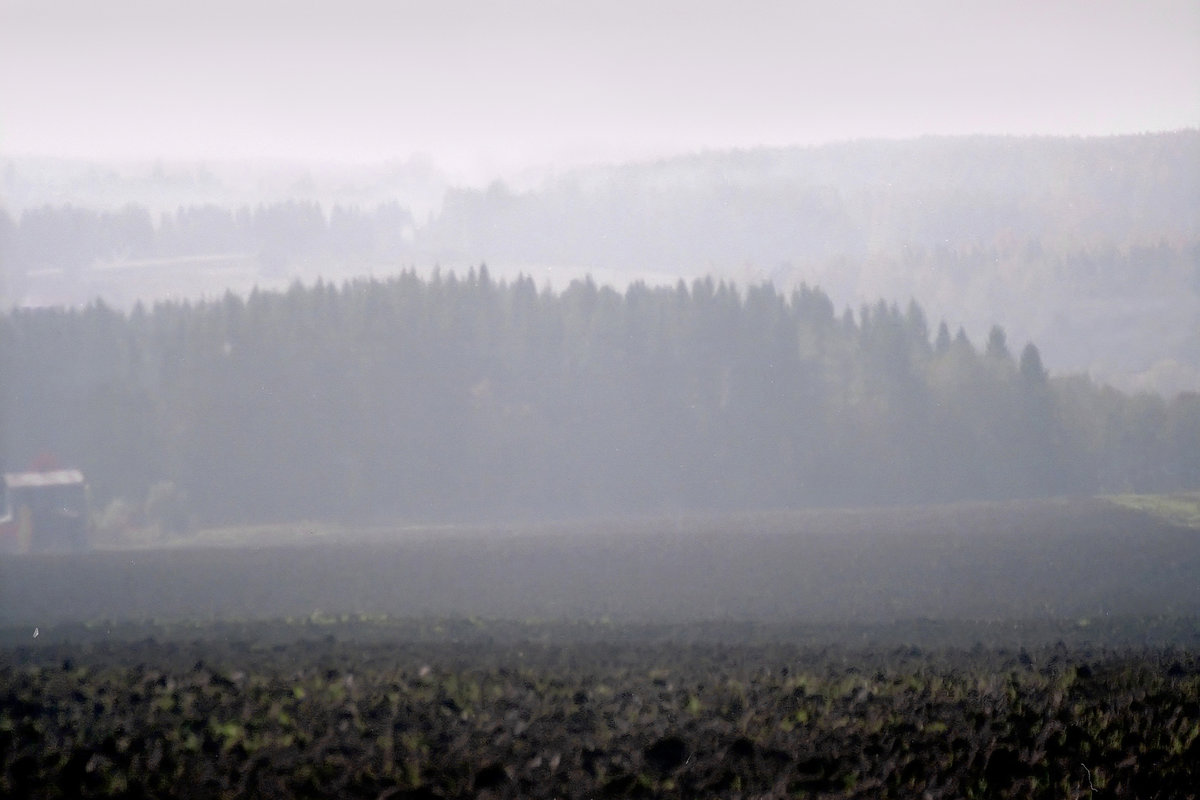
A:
(452, 399)
(1178, 508)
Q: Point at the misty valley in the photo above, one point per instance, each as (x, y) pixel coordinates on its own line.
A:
(336, 529)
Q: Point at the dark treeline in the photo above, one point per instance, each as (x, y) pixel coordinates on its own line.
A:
(467, 398)
(72, 238)
(1089, 245)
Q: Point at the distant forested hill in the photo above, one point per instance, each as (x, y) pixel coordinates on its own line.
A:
(1090, 246)
(466, 397)
(769, 206)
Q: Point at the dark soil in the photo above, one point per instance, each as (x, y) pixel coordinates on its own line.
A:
(1028, 650)
(435, 708)
(1055, 559)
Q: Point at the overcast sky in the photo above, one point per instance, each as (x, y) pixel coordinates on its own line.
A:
(489, 86)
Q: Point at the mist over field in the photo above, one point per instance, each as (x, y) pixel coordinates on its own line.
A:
(450, 399)
(431, 263)
(588, 263)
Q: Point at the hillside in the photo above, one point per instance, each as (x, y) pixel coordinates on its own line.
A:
(1089, 246)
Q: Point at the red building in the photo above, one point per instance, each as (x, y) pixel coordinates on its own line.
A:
(44, 511)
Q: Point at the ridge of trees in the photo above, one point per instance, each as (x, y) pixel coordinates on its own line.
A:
(763, 206)
(464, 397)
(73, 238)
(1064, 234)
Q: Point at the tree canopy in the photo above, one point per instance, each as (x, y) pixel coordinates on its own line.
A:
(464, 397)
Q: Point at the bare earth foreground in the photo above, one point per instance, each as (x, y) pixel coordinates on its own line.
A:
(1047, 649)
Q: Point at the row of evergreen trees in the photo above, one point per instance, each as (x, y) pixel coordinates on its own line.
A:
(73, 238)
(460, 397)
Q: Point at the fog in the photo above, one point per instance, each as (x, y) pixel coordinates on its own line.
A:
(544, 399)
(431, 278)
(484, 89)
(1084, 246)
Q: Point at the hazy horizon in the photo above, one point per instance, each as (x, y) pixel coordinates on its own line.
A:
(482, 90)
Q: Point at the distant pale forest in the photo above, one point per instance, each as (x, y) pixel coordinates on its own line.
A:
(1088, 246)
(466, 398)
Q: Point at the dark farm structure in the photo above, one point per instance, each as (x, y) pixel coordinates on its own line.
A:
(45, 510)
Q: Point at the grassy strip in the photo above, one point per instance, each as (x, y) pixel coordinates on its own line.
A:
(1178, 508)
